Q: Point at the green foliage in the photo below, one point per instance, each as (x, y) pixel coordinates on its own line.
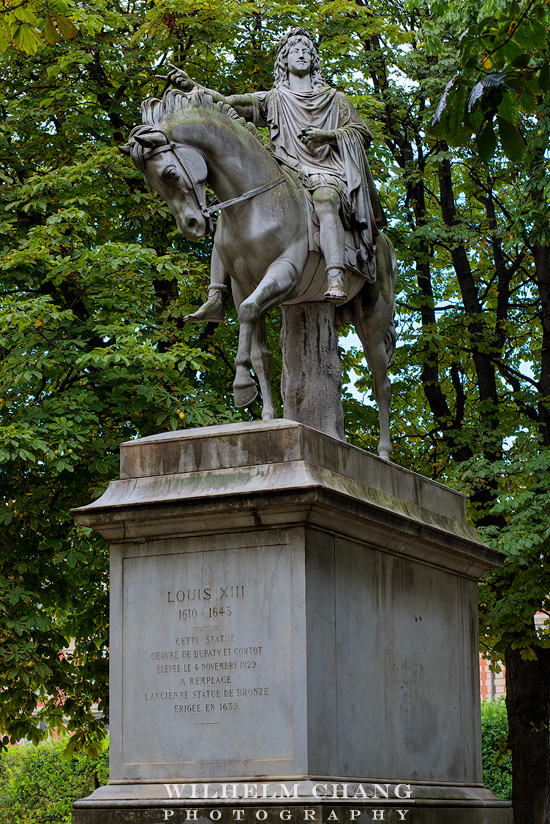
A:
(509, 598)
(94, 283)
(498, 55)
(497, 761)
(25, 25)
(38, 784)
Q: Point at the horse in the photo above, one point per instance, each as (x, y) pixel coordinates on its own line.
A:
(187, 140)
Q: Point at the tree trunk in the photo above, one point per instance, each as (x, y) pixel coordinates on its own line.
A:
(542, 267)
(528, 706)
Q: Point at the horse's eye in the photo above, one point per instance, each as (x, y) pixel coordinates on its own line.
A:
(170, 174)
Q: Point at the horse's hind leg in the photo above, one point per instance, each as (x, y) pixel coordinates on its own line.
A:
(382, 392)
(372, 311)
(374, 346)
(375, 352)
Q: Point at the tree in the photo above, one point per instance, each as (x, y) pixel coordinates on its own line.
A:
(499, 54)
(95, 281)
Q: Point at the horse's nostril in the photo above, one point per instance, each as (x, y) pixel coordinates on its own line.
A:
(191, 222)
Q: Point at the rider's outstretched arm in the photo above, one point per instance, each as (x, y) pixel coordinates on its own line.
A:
(244, 104)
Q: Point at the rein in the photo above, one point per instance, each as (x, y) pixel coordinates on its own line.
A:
(216, 207)
(208, 211)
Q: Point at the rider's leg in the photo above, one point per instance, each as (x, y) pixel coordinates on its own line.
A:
(212, 311)
(326, 201)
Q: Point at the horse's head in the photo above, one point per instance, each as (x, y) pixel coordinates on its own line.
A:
(177, 173)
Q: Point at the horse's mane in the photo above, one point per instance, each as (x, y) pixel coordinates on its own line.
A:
(155, 111)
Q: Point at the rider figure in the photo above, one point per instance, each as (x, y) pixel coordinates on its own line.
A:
(315, 129)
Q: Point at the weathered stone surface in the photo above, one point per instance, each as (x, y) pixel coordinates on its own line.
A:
(260, 443)
(298, 813)
(279, 613)
(208, 673)
(280, 473)
(311, 383)
(289, 652)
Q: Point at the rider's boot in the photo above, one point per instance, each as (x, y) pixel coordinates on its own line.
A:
(335, 284)
(213, 310)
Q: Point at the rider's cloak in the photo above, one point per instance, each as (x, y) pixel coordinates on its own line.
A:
(286, 113)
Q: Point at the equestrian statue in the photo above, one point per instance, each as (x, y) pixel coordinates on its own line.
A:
(299, 219)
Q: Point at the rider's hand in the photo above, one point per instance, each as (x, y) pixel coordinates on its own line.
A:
(179, 78)
(315, 138)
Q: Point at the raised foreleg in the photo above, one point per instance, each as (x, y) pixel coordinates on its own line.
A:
(279, 283)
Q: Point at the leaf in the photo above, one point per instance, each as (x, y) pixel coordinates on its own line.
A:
(528, 654)
(521, 60)
(486, 142)
(544, 77)
(433, 44)
(443, 101)
(49, 31)
(65, 26)
(26, 38)
(475, 94)
(492, 81)
(509, 109)
(5, 39)
(511, 139)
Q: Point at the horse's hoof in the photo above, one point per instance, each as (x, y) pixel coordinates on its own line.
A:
(245, 395)
(210, 312)
(194, 319)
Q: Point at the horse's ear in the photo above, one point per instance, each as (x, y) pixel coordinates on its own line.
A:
(125, 149)
(150, 140)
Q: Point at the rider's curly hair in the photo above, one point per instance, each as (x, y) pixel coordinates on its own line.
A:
(291, 37)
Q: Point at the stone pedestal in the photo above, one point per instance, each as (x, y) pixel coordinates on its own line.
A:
(293, 632)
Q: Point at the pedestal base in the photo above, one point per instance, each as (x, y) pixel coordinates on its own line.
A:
(389, 803)
(287, 608)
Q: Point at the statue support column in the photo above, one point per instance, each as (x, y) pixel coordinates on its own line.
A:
(312, 377)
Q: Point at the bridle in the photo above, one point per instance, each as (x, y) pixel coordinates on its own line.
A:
(197, 181)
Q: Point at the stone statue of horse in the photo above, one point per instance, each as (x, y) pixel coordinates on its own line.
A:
(261, 239)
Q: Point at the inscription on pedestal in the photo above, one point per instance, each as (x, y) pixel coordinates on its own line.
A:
(207, 646)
